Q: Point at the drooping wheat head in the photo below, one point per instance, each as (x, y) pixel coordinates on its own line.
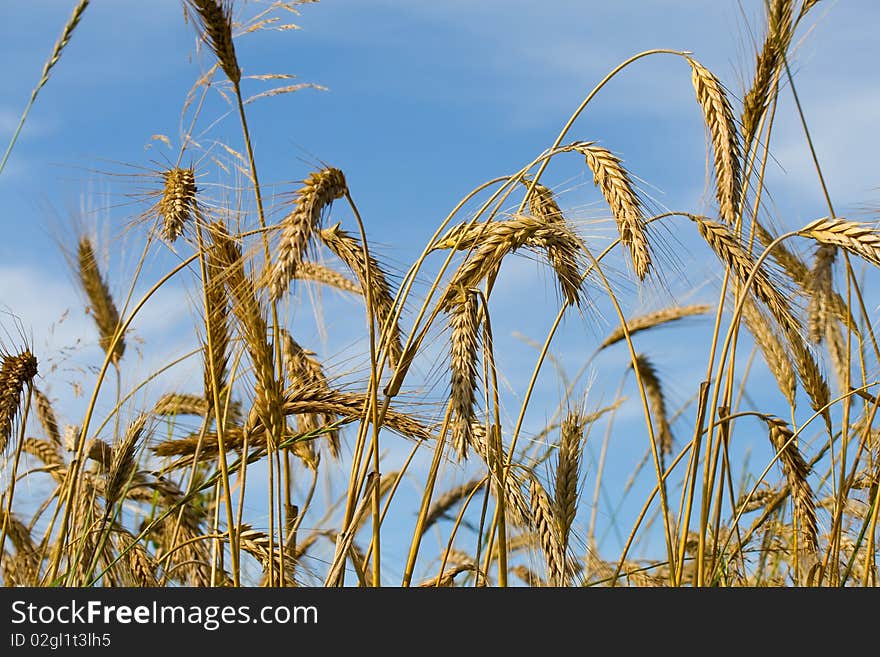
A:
(374, 284)
(17, 372)
(720, 121)
(101, 305)
(319, 190)
(614, 182)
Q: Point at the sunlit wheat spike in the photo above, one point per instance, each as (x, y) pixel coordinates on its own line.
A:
(837, 349)
(565, 495)
(528, 576)
(810, 375)
(769, 62)
(728, 248)
(796, 471)
(101, 305)
(319, 190)
(771, 346)
(123, 464)
(464, 318)
(17, 371)
(719, 119)
(46, 416)
(175, 403)
(444, 502)
(798, 272)
(859, 239)
(502, 238)
(447, 577)
(545, 525)
(654, 391)
(312, 271)
(47, 451)
(614, 182)
(252, 325)
(304, 371)
(215, 20)
(820, 289)
(177, 206)
(374, 285)
(650, 320)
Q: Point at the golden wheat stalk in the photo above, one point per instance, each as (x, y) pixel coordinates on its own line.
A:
(319, 190)
(373, 281)
(17, 371)
(613, 180)
(177, 205)
(650, 320)
(720, 120)
(215, 20)
(810, 375)
(101, 305)
(542, 205)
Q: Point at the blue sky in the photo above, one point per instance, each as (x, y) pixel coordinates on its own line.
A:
(425, 101)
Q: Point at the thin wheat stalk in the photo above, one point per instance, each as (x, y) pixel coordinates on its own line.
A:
(502, 238)
(304, 370)
(249, 313)
(123, 465)
(728, 248)
(445, 501)
(54, 57)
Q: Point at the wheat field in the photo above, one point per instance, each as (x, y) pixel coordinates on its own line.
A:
(418, 454)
